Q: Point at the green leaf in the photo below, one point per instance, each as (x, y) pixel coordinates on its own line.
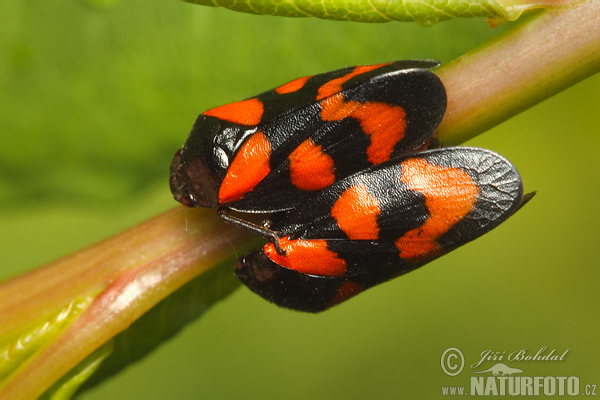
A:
(18, 349)
(424, 12)
(66, 387)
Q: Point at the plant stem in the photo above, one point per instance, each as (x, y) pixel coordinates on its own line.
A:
(127, 274)
(518, 69)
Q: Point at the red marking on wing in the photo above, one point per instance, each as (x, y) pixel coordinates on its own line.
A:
(246, 112)
(310, 167)
(250, 166)
(356, 212)
(335, 85)
(384, 124)
(344, 292)
(307, 256)
(292, 86)
(450, 194)
(335, 108)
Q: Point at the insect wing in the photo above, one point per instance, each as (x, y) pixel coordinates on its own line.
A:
(448, 194)
(317, 130)
(300, 93)
(386, 221)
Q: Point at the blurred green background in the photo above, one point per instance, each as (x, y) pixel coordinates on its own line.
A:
(97, 95)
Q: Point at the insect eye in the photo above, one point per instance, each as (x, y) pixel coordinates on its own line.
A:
(188, 200)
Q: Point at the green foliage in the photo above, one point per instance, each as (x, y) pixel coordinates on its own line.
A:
(425, 12)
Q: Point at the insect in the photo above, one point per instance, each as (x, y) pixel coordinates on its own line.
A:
(339, 162)
(270, 152)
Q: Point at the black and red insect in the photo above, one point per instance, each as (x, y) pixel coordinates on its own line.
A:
(339, 162)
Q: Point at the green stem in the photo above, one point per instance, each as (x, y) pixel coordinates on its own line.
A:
(518, 69)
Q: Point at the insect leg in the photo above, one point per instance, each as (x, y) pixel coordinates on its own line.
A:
(224, 214)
